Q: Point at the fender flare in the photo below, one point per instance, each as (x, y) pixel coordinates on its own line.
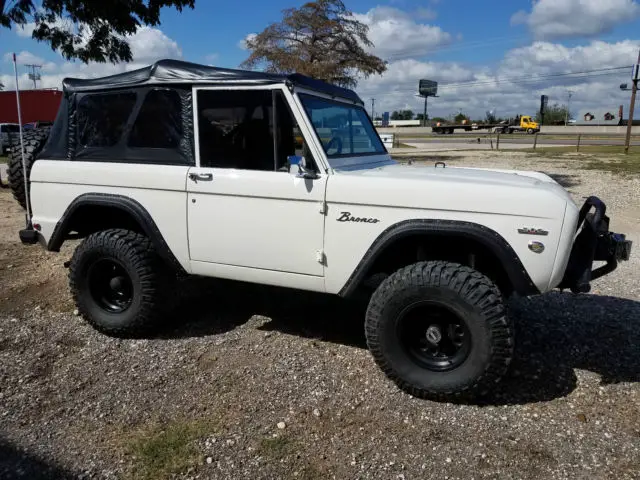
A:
(518, 275)
(127, 205)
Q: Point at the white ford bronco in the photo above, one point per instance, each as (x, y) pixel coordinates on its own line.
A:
(282, 180)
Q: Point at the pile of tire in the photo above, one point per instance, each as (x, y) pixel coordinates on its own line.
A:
(34, 141)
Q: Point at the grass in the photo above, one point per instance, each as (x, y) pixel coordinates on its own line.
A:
(277, 447)
(166, 450)
(597, 157)
(3, 159)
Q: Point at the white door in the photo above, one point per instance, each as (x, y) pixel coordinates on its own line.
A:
(244, 208)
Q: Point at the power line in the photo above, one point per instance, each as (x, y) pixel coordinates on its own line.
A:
(525, 79)
(403, 54)
(34, 75)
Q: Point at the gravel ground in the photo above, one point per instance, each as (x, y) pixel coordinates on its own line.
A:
(260, 383)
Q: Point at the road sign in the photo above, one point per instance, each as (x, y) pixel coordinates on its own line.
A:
(428, 88)
(385, 119)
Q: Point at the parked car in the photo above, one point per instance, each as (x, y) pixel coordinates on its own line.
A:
(8, 133)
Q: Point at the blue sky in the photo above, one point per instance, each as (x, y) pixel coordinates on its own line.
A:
(451, 41)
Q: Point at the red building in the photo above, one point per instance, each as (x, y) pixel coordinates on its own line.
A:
(37, 105)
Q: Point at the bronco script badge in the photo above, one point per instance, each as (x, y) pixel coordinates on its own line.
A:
(532, 231)
(347, 217)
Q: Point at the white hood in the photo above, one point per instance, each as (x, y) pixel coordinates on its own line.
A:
(508, 192)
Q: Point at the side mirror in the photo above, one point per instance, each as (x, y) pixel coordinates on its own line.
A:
(303, 170)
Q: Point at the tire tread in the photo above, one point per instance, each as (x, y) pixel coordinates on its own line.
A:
(475, 288)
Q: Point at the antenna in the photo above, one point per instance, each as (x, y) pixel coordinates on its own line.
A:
(35, 74)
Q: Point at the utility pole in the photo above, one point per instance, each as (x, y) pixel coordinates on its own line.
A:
(34, 75)
(634, 89)
(373, 103)
(566, 117)
(424, 115)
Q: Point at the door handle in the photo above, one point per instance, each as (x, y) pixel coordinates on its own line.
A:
(205, 177)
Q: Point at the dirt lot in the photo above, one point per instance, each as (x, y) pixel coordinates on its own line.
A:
(257, 383)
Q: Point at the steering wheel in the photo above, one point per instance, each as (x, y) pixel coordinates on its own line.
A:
(335, 142)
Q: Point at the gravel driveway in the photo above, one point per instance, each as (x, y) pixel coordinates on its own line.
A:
(261, 383)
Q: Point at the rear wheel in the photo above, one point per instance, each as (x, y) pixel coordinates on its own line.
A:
(439, 330)
(118, 282)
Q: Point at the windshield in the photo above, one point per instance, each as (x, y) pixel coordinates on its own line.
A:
(345, 130)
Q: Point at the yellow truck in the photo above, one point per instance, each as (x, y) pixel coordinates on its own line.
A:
(522, 123)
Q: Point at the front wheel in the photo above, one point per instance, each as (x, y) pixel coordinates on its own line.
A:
(118, 282)
(531, 131)
(439, 330)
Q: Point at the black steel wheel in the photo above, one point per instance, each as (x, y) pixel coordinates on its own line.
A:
(110, 285)
(434, 335)
(439, 330)
(119, 283)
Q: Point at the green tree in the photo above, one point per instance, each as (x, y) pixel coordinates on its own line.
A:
(89, 30)
(321, 39)
(554, 115)
(402, 115)
(460, 117)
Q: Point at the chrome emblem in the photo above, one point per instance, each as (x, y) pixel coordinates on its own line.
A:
(536, 247)
(533, 231)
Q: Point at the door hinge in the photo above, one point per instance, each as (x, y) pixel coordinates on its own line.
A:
(323, 208)
(320, 256)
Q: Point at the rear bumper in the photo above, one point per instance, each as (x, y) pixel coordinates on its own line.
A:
(594, 243)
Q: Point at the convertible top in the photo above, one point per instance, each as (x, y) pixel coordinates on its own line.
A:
(179, 72)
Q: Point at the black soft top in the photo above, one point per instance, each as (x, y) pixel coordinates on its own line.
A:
(179, 72)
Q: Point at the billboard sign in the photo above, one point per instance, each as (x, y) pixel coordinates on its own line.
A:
(428, 88)
(385, 119)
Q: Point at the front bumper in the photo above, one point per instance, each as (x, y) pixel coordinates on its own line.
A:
(594, 243)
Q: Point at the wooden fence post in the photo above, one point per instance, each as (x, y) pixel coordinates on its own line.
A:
(498, 142)
(535, 141)
(578, 146)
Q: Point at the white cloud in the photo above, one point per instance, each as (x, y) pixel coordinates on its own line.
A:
(24, 58)
(502, 88)
(242, 44)
(396, 34)
(545, 57)
(147, 46)
(25, 30)
(553, 19)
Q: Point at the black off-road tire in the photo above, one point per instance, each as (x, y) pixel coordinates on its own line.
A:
(150, 280)
(34, 141)
(477, 305)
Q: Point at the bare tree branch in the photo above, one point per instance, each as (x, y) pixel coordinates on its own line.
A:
(320, 39)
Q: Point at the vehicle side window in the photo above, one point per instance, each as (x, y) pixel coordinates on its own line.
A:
(102, 118)
(236, 130)
(159, 122)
